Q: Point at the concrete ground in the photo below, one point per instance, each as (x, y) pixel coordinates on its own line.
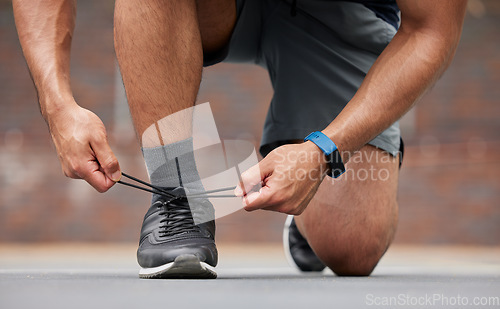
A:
(250, 276)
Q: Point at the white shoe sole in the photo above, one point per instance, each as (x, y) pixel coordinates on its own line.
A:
(286, 243)
(185, 266)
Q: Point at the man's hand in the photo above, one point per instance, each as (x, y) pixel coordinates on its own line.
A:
(82, 146)
(45, 31)
(290, 176)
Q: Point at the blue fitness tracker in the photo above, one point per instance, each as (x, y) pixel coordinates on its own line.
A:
(331, 152)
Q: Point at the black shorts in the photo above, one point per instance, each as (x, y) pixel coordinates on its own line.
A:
(316, 60)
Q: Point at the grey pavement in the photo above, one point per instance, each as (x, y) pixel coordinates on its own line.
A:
(250, 276)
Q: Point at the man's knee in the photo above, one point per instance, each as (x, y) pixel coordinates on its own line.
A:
(358, 261)
(354, 265)
(356, 253)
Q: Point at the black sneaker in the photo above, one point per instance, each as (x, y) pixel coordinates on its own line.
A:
(172, 245)
(297, 250)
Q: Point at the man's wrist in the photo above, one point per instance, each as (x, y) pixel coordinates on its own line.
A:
(341, 140)
(330, 153)
(317, 156)
(54, 104)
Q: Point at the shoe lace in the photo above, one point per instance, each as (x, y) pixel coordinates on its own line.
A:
(172, 196)
(175, 210)
(177, 217)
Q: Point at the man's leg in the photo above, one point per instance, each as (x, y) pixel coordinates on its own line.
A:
(159, 49)
(351, 221)
(160, 52)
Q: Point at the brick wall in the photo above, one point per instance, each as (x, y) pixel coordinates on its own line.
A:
(449, 188)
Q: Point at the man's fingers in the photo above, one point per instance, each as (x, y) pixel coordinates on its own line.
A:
(98, 180)
(257, 200)
(103, 170)
(107, 159)
(251, 178)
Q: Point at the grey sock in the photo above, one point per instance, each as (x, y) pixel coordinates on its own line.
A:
(173, 165)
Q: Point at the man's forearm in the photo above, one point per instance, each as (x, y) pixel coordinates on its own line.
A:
(45, 29)
(411, 63)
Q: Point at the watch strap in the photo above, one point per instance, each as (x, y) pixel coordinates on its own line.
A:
(331, 152)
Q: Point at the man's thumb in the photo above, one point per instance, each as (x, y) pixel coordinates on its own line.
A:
(108, 161)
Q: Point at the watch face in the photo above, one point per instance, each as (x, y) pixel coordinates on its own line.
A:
(337, 172)
(337, 168)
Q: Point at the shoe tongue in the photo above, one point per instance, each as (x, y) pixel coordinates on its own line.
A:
(179, 191)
